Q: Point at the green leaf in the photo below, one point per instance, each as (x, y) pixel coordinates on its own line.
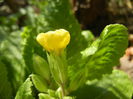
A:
(3, 33)
(77, 72)
(52, 93)
(5, 86)
(45, 96)
(77, 80)
(93, 61)
(91, 49)
(114, 41)
(10, 50)
(27, 49)
(115, 86)
(26, 90)
(30, 46)
(41, 67)
(39, 83)
(88, 35)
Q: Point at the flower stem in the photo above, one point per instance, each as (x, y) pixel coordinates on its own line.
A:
(63, 90)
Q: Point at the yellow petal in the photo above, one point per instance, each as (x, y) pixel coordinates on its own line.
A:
(54, 41)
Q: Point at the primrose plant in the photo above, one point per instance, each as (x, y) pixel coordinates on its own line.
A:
(87, 74)
(55, 42)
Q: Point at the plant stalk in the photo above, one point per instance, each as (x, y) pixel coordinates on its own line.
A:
(63, 90)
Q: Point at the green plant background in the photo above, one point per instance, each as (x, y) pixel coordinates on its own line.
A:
(90, 63)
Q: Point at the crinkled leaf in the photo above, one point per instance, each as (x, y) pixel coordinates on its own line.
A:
(100, 57)
(25, 91)
(114, 86)
(114, 41)
(10, 50)
(5, 86)
(77, 71)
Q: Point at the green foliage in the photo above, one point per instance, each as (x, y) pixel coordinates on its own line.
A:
(41, 67)
(10, 51)
(45, 96)
(5, 85)
(83, 72)
(30, 45)
(88, 35)
(91, 49)
(58, 67)
(11, 57)
(103, 52)
(114, 41)
(46, 21)
(114, 86)
(7, 26)
(40, 83)
(106, 52)
(25, 91)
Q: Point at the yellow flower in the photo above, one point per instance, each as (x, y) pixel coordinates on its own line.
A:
(54, 41)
